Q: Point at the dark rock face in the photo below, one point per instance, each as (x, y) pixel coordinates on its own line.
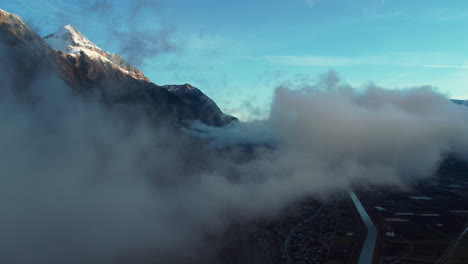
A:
(16, 33)
(21, 52)
(201, 104)
(460, 102)
(27, 56)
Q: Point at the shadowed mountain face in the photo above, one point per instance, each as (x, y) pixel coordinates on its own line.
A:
(460, 102)
(22, 53)
(87, 69)
(203, 106)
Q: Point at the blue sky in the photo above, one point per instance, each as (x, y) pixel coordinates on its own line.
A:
(237, 52)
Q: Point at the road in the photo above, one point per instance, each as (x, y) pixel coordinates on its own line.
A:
(446, 257)
(367, 251)
(293, 231)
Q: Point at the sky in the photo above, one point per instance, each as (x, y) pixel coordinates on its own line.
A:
(238, 52)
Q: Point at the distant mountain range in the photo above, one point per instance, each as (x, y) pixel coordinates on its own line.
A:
(86, 68)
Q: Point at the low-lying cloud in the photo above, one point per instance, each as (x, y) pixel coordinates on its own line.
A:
(80, 183)
(331, 135)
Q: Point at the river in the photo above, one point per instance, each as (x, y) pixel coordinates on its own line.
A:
(367, 251)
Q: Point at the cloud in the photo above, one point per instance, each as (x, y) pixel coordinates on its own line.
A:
(101, 6)
(135, 41)
(442, 14)
(393, 59)
(138, 47)
(309, 3)
(330, 135)
(247, 110)
(313, 61)
(445, 66)
(82, 182)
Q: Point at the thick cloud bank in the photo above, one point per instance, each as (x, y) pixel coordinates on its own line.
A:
(330, 135)
(377, 134)
(82, 183)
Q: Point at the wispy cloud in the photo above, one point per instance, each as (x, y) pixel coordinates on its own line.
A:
(444, 14)
(391, 59)
(439, 15)
(311, 61)
(446, 66)
(309, 3)
(335, 61)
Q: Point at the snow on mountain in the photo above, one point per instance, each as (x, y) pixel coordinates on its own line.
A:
(71, 41)
(85, 68)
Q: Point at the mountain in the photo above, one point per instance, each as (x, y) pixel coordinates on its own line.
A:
(22, 51)
(72, 42)
(203, 106)
(87, 69)
(460, 102)
(16, 33)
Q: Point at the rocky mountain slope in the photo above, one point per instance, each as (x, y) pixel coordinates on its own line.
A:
(71, 41)
(87, 69)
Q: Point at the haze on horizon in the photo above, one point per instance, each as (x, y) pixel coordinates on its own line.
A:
(239, 52)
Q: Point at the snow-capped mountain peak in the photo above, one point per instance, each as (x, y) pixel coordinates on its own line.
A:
(71, 41)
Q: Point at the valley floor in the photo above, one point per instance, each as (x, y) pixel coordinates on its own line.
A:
(427, 224)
